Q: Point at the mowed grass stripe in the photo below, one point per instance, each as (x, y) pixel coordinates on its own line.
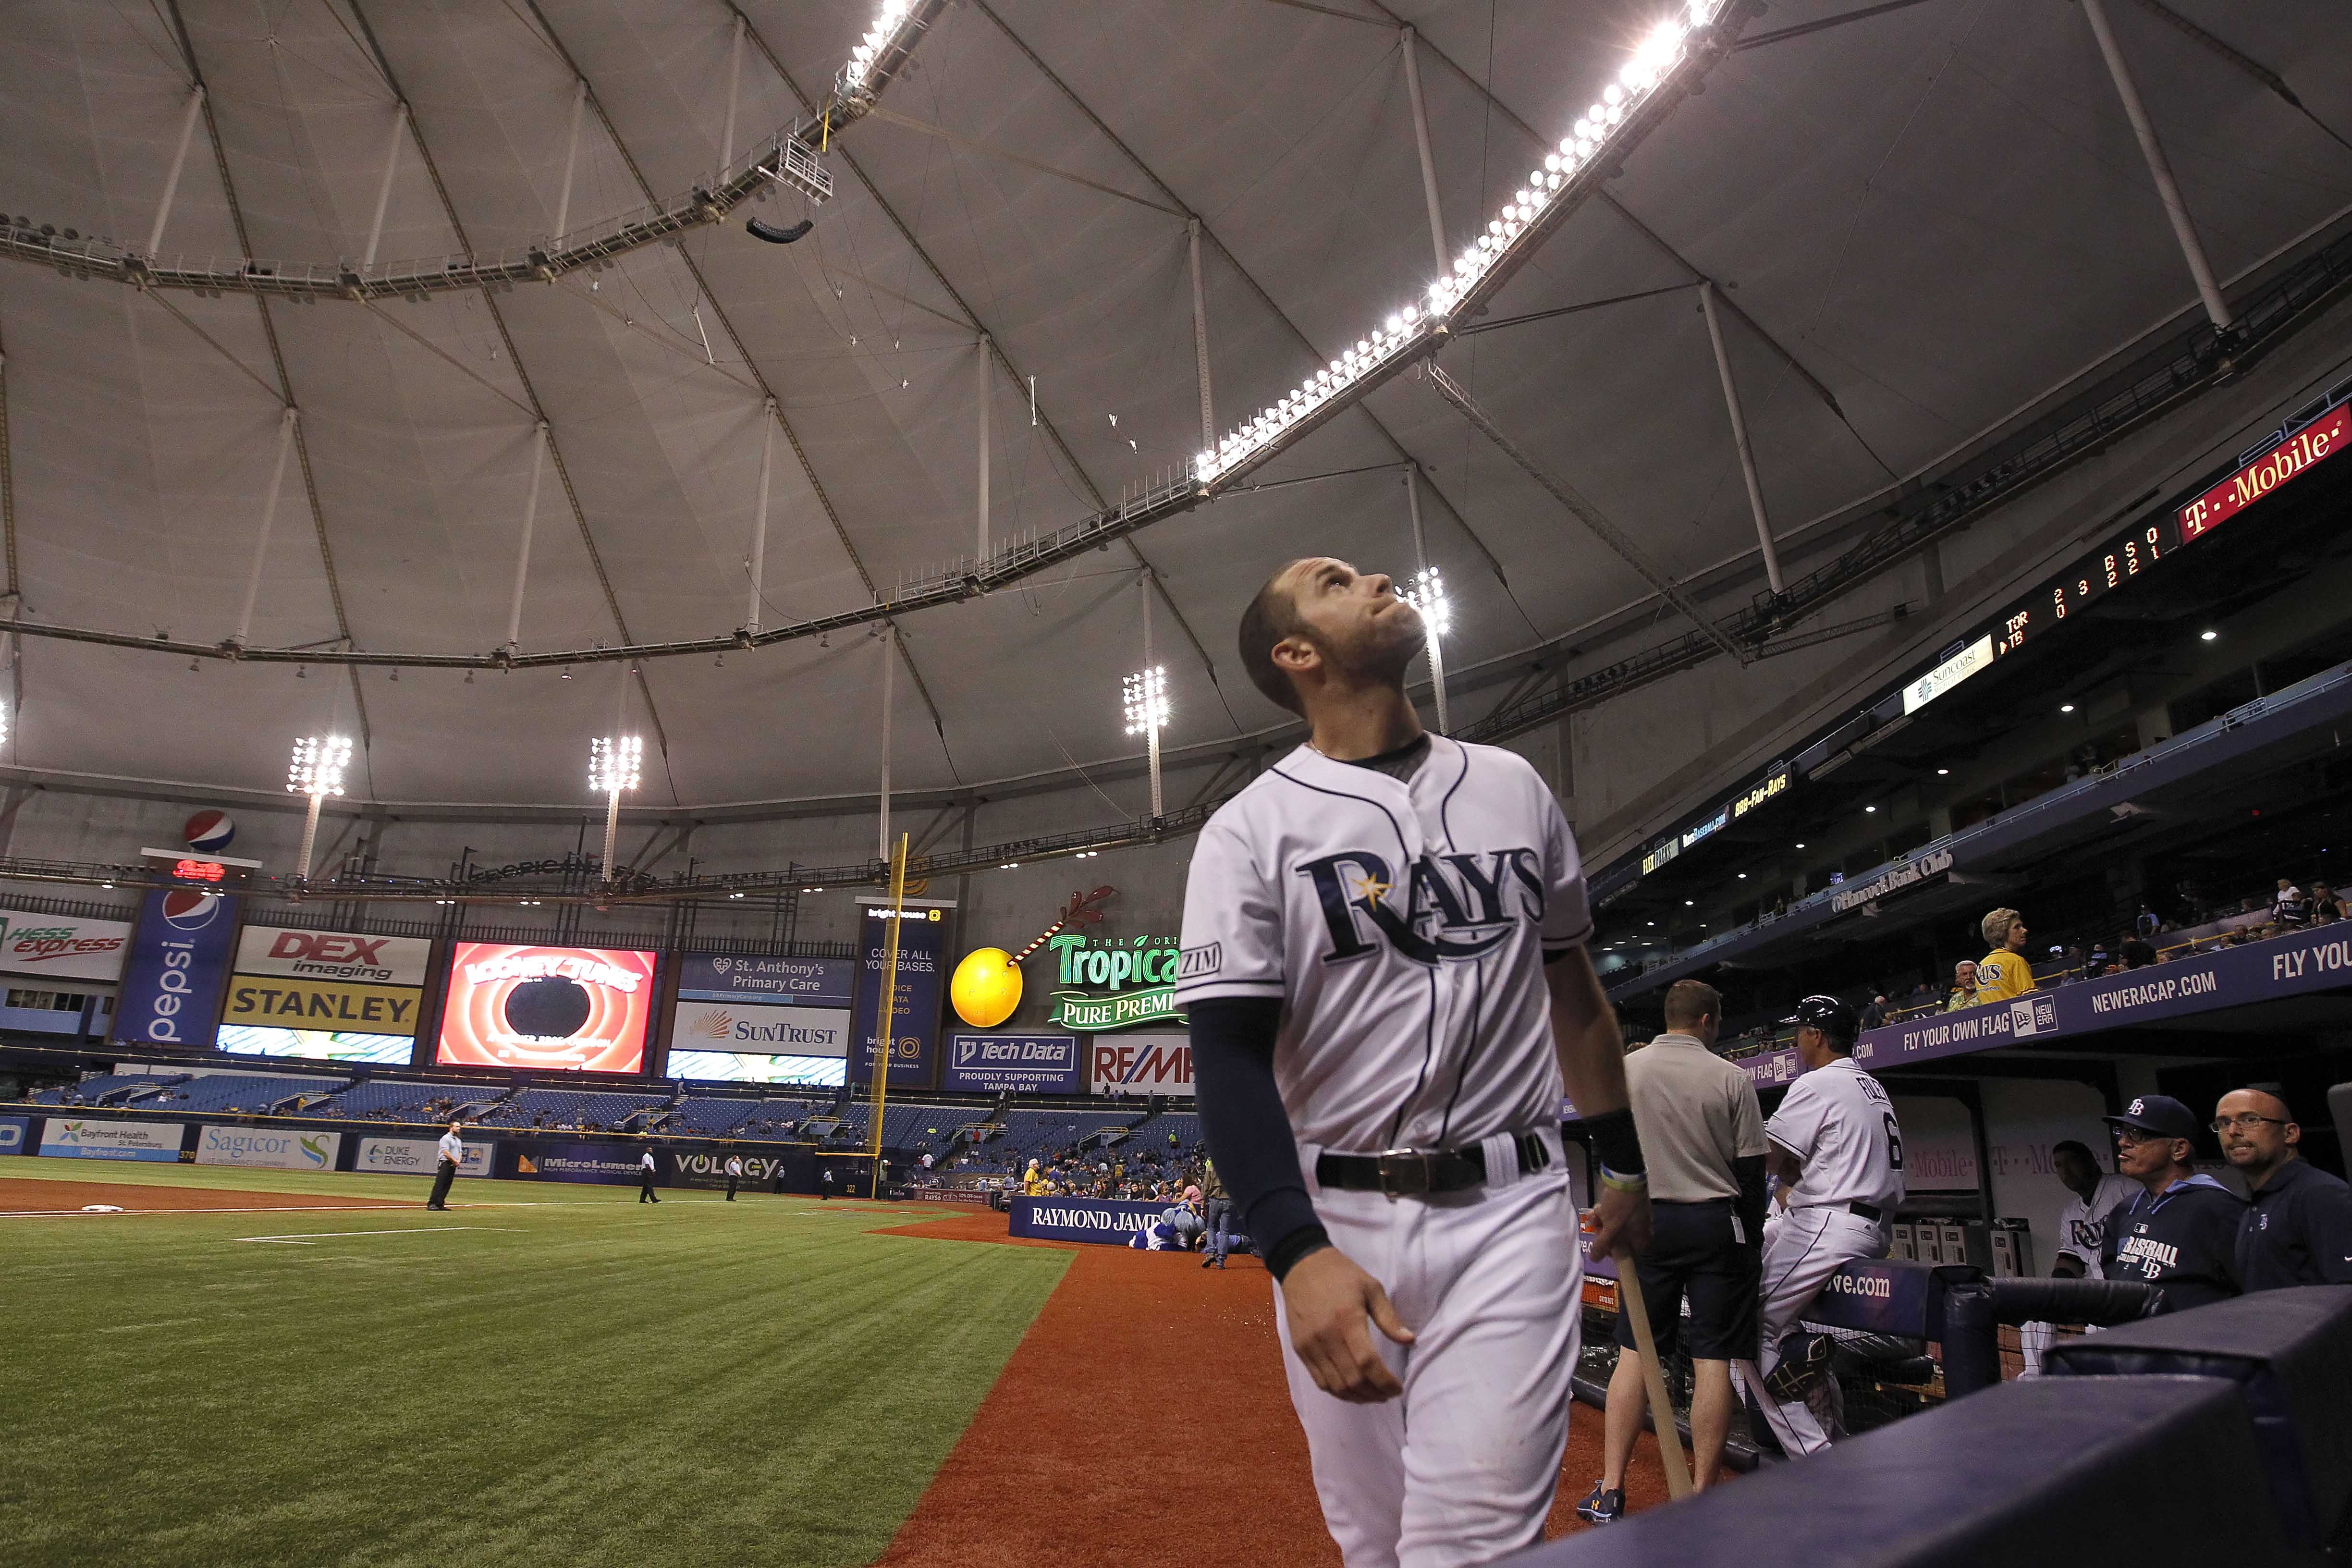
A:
(599, 1383)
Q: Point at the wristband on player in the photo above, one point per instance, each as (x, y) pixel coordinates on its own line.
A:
(1614, 1140)
(1618, 1181)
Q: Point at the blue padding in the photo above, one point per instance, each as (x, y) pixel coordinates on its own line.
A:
(2075, 1470)
(2291, 1352)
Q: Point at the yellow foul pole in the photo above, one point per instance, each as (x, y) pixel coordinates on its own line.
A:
(885, 1020)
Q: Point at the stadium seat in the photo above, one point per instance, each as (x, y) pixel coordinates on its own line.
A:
(2291, 1352)
(2078, 1470)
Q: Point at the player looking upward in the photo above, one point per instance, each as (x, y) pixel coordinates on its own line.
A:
(1385, 968)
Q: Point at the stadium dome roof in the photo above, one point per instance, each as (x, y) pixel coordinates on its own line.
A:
(1922, 220)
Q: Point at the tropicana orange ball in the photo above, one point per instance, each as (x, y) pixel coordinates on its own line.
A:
(986, 988)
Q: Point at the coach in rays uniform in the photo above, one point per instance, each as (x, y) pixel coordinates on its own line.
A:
(1384, 970)
(2179, 1231)
(1838, 1152)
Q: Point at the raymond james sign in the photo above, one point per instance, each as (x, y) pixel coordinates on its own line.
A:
(1082, 1219)
(1894, 881)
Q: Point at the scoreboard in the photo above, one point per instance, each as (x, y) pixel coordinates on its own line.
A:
(2130, 554)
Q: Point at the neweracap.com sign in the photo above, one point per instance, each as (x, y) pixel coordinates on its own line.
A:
(1082, 1219)
(1037, 1064)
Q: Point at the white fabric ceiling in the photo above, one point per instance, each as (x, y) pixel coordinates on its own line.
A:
(1939, 211)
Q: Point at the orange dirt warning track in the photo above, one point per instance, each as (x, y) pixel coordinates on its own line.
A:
(20, 1196)
(1144, 1420)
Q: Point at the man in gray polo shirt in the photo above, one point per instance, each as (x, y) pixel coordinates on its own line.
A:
(1703, 1137)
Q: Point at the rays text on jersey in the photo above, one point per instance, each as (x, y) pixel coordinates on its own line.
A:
(1455, 906)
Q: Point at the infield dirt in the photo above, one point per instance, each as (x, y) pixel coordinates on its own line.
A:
(18, 1197)
(1144, 1421)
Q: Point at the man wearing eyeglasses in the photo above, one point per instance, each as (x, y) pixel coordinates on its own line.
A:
(2180, 1230)
(2298, 1229)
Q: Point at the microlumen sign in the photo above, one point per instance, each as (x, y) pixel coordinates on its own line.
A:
(1146, 963)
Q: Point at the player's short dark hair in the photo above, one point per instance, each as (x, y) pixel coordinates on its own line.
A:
(2074, 1146)
(1272, 615)
(1688, 1001)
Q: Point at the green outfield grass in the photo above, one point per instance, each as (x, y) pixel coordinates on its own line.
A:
(576, 1380)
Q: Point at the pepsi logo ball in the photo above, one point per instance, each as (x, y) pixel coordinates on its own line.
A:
(210, 831)
(547, 1009)
(185, 908)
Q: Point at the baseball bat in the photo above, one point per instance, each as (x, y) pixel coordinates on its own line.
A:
(1653, 1377)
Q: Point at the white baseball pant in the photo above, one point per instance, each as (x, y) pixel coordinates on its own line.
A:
(1460, 1468)
(1803, 1247)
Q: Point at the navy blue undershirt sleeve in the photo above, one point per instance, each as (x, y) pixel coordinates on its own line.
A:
(1247, 1130)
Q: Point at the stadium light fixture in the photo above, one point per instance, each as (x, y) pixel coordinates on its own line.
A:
(613, 764)
(877, 56)
(316, 770)
(1144, 695)
(2065, 708)
(1427, 595)
(1943, 772)
(1592, 140)
(2206, 636)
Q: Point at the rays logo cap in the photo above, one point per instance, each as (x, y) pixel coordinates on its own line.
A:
(2157, 1113)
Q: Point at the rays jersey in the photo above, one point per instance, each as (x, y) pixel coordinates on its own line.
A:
(1403, 926)
(2082, 1225)
(1838, 1121)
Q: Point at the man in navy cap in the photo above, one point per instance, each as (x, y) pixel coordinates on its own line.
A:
(2298, 1230)
(2180, 1233)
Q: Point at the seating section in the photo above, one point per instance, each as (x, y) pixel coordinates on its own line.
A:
(713, 1118)
(92, 1090)
(1153, 1134)
(1042, 1132)
(569, 1107)
(236, 1092)
(390, 1100)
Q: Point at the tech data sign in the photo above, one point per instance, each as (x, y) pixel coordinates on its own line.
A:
(296, 1150)
(1146, 963)
(62, 947)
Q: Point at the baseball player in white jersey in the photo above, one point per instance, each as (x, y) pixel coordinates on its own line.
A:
(1387, 988)
(2082, 1230)
(1838, 1152)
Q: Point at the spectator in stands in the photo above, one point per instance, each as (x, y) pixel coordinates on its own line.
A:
(2180, 1229)
(1220, 1215)
(1703, 1133)
(2289, 910)
(2138, 953)
(2327, 909)
(2147, 925)
(2298, 1229)
(1964, 986)
(1873, 1016)
(2003, 973)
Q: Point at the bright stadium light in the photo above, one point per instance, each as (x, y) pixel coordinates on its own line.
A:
(316, 770)
(613, 761)
(877, 56)
(1427, 595)
(1590, 142)
(1145, 697)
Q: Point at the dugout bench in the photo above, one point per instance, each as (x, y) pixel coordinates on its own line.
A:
(2222, 1434)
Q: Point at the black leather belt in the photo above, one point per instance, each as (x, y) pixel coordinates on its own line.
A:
(1870, 1211)
(1419, 1172)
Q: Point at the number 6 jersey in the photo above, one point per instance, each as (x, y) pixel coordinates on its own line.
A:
(1403, 926)
(1838, 1121)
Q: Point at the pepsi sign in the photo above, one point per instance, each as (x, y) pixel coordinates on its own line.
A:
(176, 970)
(209, 831)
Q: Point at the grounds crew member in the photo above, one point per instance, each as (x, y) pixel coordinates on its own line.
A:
(1838, 1152)
(734, 1174)
(2004, 972)
(646, 1178)
(2298, 1229)
(1703, 1135)
(2180, 1229)
(453, 1154)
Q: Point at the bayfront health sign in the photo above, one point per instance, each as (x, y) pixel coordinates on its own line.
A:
(1082, 1219)
(75, 1139)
